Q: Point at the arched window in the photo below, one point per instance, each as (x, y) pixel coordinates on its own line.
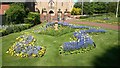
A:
(51, 3)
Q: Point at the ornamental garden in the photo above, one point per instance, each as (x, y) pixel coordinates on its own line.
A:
(32, 43)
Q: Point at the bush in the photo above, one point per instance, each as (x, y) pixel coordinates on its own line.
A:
(76, 11)
(83, 17)
(33, 18)
(16, 13)
(15, 28)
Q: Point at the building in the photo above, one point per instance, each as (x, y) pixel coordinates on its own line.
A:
(48, 9)
(54, 9)
(54, 6)
(3, 8)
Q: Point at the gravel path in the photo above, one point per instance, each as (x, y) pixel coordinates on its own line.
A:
(103, 25)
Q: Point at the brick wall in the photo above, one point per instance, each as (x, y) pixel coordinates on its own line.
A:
(3, 8)
(47, 17)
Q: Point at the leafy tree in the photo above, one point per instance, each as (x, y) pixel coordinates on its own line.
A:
(92, 7)
(119, 10)
(16, 13)
(88, 8)
(100, 7)
(112, 7)
(78, 5)
(76, 11)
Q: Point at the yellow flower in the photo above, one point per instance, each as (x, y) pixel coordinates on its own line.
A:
(12, 54)
(33, 55)
(26, 55)
(17, 55)
(21, 56)
(7, 51)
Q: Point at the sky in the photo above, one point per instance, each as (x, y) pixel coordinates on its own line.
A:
(75, 0)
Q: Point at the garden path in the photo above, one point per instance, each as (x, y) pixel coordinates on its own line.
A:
(109, 26)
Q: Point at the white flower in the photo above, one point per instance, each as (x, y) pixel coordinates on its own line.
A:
(78, 40)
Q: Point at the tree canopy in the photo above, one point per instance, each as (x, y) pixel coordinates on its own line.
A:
(97, 7)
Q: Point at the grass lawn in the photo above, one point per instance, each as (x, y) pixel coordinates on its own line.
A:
(0, 52)
(101, 55)
(100, 19)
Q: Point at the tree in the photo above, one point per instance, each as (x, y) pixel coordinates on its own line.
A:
(76, 11)
(92, 7)
(88, 8)
(16, 13)
(112, 7)
(100, 7)
(78, 5)
(119, 10)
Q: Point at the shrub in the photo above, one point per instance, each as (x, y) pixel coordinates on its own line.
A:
(111, 14)
(33, 18)
(15, 28)
(76, 11)
(16, 13)
(83, 17)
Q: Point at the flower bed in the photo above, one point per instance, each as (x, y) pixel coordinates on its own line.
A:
(81, 41)
(69, 25)
(24, 47)
(63, 28)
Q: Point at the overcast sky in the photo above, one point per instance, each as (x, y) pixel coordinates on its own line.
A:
(75, 0)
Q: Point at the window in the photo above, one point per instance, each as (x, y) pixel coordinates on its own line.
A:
(51, 3)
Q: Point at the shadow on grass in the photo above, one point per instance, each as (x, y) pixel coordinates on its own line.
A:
(111, 58)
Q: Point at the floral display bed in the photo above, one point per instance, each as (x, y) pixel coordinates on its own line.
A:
(25, 47)
(80, 42)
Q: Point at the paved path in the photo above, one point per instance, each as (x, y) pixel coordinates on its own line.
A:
(103, 25)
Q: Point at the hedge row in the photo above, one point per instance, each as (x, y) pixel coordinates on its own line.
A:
(14, 28)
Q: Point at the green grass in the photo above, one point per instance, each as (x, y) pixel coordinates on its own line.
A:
(52, 57)
(100, 19)
(0, 52)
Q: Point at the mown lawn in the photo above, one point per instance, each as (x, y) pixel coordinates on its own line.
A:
(102, 19)
(52, 57)
(0, 52)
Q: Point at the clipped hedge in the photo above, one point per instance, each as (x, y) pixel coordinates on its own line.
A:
(14, 28)
(32, 18)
